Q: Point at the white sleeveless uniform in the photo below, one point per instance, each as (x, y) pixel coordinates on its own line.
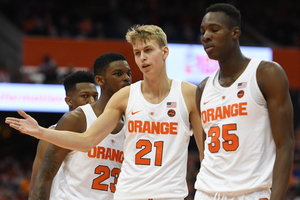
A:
(90, 175)
(156, 147)
(239, 150)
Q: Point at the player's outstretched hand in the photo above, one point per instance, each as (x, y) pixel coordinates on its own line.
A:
(28, 125)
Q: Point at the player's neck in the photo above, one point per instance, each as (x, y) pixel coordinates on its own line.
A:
(100, 104)
(155, 90)
(232, 66)
(230, 72)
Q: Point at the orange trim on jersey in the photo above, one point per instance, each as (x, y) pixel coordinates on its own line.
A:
(222, 112)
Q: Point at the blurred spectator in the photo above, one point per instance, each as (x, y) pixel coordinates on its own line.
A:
(99, 32)
(14, 178)
(48, 68)
(85, 27)
(296, 39)
(296, 170)
(15, 74)
(293, 192)
(67, 71)
(4, 75)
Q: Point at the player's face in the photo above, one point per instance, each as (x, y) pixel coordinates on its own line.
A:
(84, 93)
(117, 76)
(149, 55)
(216, 36)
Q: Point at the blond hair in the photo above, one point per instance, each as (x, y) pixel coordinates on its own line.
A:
(145, 33)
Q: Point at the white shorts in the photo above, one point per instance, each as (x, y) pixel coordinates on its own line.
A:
(259, 195)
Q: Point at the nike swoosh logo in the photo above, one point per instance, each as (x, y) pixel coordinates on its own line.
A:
(133, 113)
(207, 102)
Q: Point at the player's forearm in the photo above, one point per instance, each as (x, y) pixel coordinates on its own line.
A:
(103, 125)
(282, 171)
(43, 181)
(41, 189)
(68, 139)
(33, 176)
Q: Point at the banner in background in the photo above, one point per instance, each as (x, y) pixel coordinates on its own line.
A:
(190, 63)
(187, 62)
(33, 97)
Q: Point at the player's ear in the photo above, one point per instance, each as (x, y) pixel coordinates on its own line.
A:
(236, 33)
(100, 80)
(165, 51)
(68, 101)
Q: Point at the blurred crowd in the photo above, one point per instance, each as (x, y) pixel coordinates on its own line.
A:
(277, 20)
(294, 189)
(48, 72)
(14, 178)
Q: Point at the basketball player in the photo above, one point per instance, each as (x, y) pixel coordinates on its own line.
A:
(246, 113)
(80, 89)
(90, 175)
(159, 113)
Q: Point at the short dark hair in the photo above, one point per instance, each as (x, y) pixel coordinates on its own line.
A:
(81, 76)
(233, 13)
(103, 61)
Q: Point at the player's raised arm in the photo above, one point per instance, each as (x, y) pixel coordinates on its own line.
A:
(72, 140)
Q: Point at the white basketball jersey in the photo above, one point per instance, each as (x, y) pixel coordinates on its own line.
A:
(156, 146)
(94, 174)
(239, 149)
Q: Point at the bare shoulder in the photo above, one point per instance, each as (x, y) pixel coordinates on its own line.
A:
(271, 78)
(189, 93)
(201, 85)
(270, 71)
(266, 67)
(72, 121)
(188, 88)
(76, 114)
(199, 92)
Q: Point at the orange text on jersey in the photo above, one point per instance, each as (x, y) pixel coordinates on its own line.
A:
(222, 112)
(106, 153)
(138, 126)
